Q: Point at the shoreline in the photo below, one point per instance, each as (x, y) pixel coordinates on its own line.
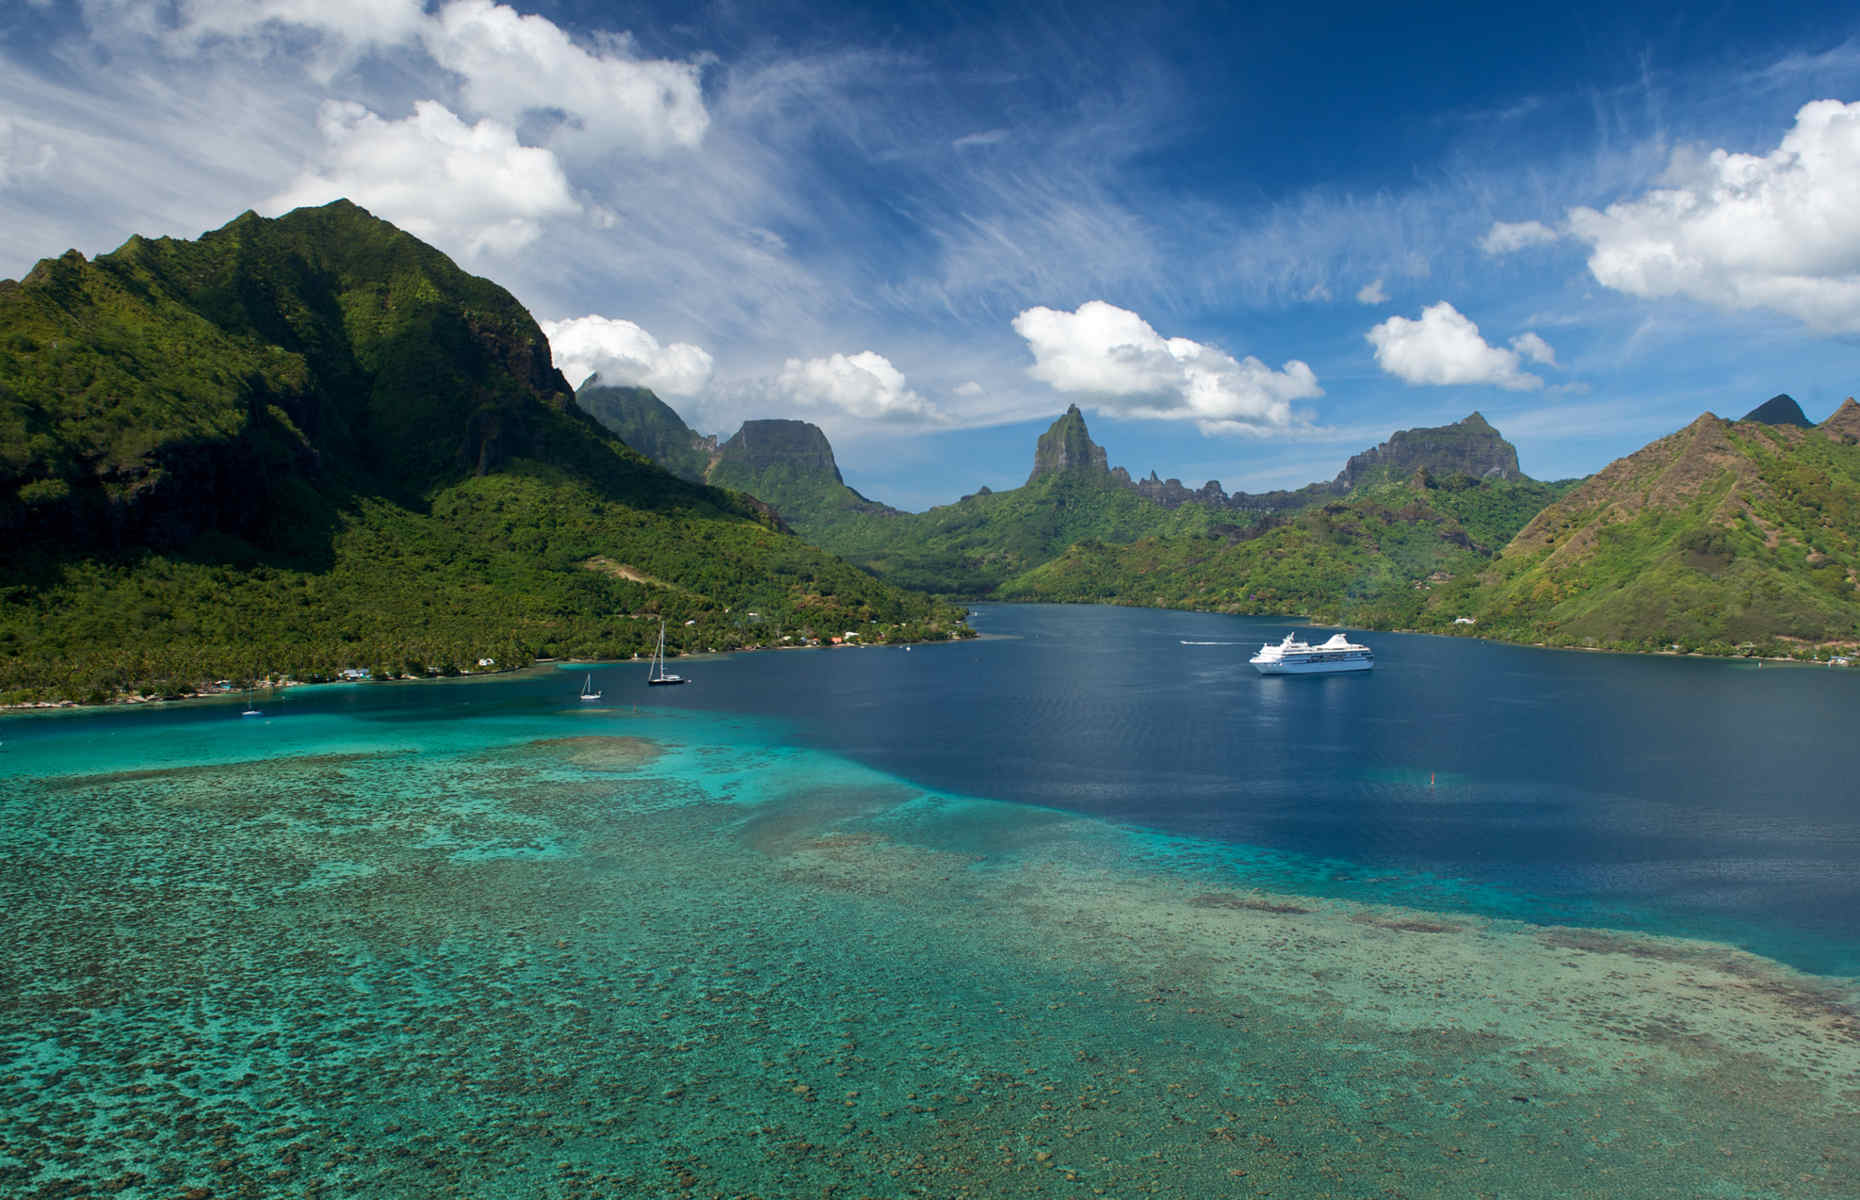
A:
(41, 706)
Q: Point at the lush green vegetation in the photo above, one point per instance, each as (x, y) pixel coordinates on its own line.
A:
(301, 445)
(972, 547)
(1369, 560)
(1722, 538)
(650, 426)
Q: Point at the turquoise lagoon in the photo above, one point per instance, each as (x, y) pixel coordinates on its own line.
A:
(1081, 910)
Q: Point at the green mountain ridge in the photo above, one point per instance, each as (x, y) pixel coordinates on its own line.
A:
(987, 543)
(1368, 559)
(1725, 535)
(309, 443)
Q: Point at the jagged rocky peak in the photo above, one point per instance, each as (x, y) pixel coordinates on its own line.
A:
(1780, 409)
(1067, 446)
(759, 445)
(1469, 446)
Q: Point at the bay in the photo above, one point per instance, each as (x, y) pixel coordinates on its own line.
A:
(1082, 907)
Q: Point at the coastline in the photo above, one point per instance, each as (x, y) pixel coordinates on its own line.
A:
(488, 673)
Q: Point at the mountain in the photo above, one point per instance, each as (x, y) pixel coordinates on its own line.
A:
(1368, 559)
(990, 540)
(1469, 446)
(648, 424)
(1779, 410)
(1723, 535)
(309, 443)
(1066, 447)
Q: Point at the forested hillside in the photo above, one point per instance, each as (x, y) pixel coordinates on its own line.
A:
(309, 443)
(1722, 536)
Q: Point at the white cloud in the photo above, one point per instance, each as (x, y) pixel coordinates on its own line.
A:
(1534, 348)
(1444, 347)
(514, 64)
(510, 65)
(360, 21)
(1115, 357)
(23, 156)
(625, 354)
(469, 189)
(863, 385)
(968, 389)
(988, 137)
(1506, 237)
(1739, 231)
(1372, 293)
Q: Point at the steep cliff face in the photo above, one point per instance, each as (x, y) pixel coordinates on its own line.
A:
(1066, 447)
(799, 446)
(643, 421)
(173, 387)
(1469, 446)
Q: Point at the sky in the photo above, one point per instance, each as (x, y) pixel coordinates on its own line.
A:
(1248, 241)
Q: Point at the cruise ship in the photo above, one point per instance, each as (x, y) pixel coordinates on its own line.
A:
(1293, 657)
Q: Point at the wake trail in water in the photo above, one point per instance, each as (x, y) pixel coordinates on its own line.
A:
(1188, 643)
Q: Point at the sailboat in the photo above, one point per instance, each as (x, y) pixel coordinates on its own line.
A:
(587, 688)
(657, 677)
(250, 711)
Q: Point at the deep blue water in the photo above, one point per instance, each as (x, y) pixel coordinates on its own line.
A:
(1701, 797)
(1709, 797)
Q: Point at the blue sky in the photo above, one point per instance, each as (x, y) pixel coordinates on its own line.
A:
(1247, 243)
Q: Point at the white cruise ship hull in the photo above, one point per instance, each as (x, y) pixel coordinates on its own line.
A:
(1324, 667)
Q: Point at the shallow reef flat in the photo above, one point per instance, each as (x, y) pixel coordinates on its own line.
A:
(601, 957)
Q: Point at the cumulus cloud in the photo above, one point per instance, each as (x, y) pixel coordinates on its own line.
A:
(1534, 348)
(969, 389)
(1372, 293)
(468, 188)
(1741, 231)
(624, 354)
(513, 64)
(1506, 237)
(863, 385)
(1444, 347)
(1113, 356)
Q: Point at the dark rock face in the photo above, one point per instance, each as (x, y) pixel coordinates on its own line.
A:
(1170, 493)
(1467, 447)
(1067, 446)
(1780, 409)
(798, 445)
(223, 384)
(643, 421)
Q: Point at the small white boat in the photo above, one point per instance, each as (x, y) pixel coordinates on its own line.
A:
(587, 688)
(656, 676)
(1293, 657)
(250, 711)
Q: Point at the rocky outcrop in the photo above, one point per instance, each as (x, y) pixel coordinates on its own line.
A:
(1067, 447)
(1779, 410)
(1467, 447)
(797, 445)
